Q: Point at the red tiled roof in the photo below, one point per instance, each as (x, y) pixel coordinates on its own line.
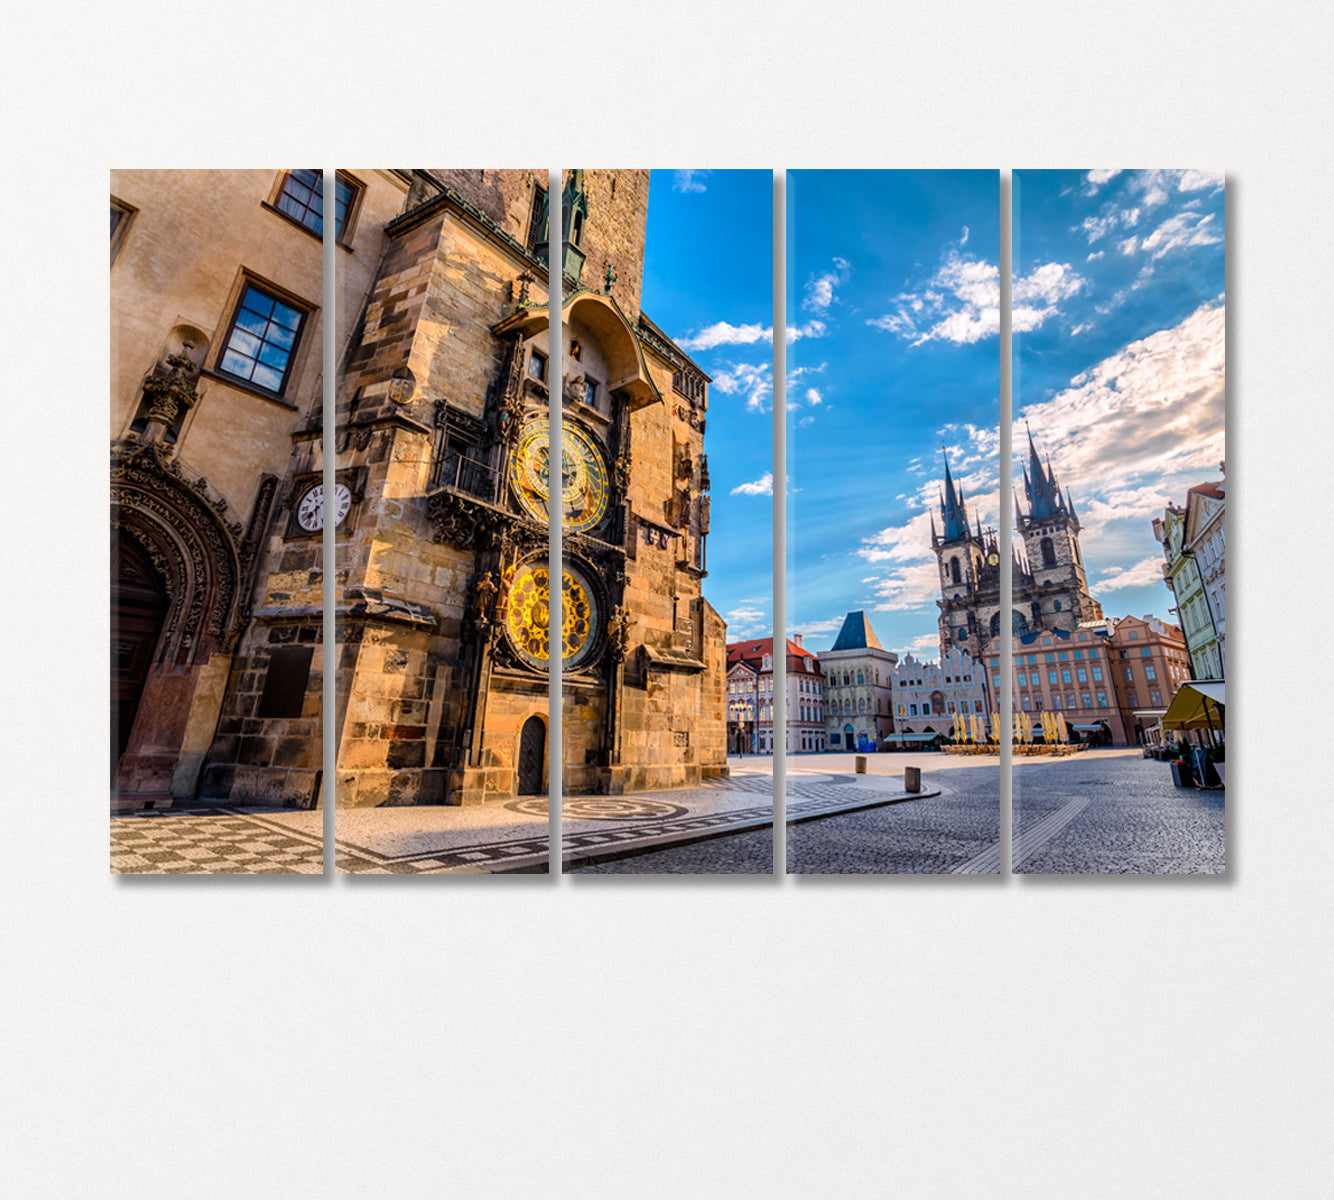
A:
(757, 648)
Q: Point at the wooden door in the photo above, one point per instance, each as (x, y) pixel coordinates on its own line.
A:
(138, 605)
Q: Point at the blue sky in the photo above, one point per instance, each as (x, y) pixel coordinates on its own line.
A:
(893, 297)
(1120, 368)
(893, 350)
(709, 258)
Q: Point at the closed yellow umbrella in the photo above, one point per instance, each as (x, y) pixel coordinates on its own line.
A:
(995, 727)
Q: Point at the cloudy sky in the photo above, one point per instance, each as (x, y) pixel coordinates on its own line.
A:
(708, 282)
(1123, 384)
(893, 283)
(893, 351)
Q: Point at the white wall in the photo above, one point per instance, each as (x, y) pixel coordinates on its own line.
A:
(663, 1038)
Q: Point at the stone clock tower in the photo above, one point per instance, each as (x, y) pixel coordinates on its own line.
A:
(444, 578)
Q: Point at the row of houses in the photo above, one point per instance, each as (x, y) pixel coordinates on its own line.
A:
(1111, 679)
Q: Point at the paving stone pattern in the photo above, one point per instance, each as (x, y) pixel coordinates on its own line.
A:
(211, 841)
(1135, 822)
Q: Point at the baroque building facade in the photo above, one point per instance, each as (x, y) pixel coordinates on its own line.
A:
(1194, 569)
(932, 696)
(439, 509)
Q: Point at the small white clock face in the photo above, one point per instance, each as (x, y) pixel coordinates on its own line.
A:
(310, 512)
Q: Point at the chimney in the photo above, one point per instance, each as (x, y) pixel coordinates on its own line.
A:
(796, 638)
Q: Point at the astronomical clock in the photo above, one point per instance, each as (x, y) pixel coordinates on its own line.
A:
(495, 488)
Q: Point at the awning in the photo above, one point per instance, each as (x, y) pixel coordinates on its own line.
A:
(911, 737)
(1089, 728)
(1197, 705)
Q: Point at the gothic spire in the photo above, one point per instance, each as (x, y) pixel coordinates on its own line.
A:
(953, 511)
(1044, 499)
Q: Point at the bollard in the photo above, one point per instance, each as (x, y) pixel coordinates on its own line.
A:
(861, 764)
(912, 779)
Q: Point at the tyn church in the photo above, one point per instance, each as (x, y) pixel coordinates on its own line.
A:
(1050, 587)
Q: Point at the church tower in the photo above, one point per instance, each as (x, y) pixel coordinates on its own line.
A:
(1052, 591)
(969, 565)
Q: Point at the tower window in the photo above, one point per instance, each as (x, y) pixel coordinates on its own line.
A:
(1048, 553)
(954, 570)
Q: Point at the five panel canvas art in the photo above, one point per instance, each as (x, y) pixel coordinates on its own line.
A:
(939, 622)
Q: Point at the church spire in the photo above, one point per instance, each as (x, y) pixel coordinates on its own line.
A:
(1044, 497)
(953, 511)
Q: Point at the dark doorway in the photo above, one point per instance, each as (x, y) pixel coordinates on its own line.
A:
(138, 605)
(532, 752)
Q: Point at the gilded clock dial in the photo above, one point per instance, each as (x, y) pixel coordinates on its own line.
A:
(583, 475)
(529, 615)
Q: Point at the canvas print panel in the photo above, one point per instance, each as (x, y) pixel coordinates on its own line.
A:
(1118, 631)
(216, 655)
(441, 724)
(668, 299)
(893, 515)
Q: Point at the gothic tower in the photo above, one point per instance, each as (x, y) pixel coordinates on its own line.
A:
(1052, 591)
(969, 564)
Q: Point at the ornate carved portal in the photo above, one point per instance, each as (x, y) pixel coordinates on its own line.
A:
(191, 546)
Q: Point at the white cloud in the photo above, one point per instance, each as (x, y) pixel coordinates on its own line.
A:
(926, 643)
(813, 396)
(1097, 254)
(810, 628)
(689, 181)
(1146, 571)
(810, 329)
(1095, 179)
(1136, 430)
(961, 301)
(723, 333)
(754, 381)
(1182, 231)
(763, 486)
(820, 288)
(747, 620)
(1195, 181)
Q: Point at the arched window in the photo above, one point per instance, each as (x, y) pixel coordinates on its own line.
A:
(954, 569)
(1048, 553)
(860, 680)
(861, 706)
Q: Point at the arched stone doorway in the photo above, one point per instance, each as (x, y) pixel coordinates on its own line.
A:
(532, 757)
(139, 604)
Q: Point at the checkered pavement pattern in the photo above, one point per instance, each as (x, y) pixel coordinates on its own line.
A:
(210, 842)
(526, 854)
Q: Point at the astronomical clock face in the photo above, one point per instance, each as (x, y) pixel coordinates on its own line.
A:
(529, 615)
(583, 475)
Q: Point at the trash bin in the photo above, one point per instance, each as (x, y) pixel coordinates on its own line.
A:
(861, 764)
(912, 779)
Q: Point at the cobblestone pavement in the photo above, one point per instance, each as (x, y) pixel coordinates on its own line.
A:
(1118, 815)
(217, 841)
(932, 833)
